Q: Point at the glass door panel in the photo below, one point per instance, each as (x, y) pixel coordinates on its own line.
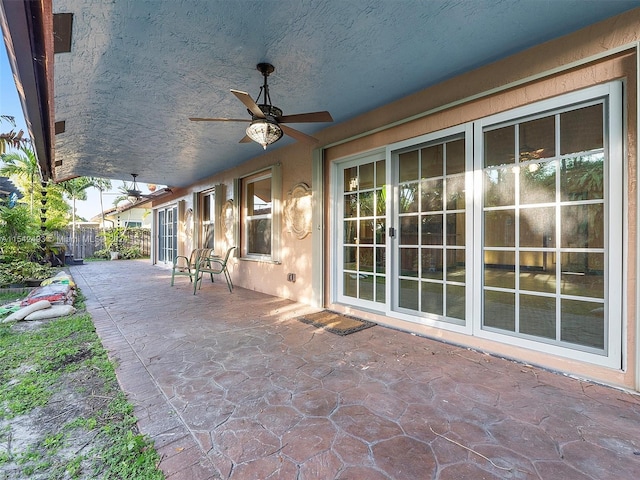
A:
(431, 219)
(363, 221)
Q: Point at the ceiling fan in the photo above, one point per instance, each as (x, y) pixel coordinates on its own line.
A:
(266, 119)
(134, 194)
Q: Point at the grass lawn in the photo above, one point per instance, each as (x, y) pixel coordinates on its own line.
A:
(62, 413)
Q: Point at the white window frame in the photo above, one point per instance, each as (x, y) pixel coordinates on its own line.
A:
(615, 230)
(615, 204)
(274, 173)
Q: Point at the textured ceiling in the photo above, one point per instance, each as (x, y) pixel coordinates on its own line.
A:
(139, 68)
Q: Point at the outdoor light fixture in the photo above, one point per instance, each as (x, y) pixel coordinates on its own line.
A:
(264, 131)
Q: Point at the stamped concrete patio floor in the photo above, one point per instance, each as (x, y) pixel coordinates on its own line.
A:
(233, 386)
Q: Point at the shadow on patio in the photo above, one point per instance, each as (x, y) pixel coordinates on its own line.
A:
(233, 386)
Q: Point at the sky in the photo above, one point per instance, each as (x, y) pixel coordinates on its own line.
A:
(10, 105)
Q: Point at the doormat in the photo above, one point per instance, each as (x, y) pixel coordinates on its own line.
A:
(335, 322)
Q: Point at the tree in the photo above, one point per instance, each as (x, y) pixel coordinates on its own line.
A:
(22, 166)
(101, 184)
(75, 189)
(12, 138)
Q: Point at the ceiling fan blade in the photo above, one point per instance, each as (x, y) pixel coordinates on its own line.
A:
(306, 117)
(298, 135)
(198, 119)
(245, 98)
(245, 139)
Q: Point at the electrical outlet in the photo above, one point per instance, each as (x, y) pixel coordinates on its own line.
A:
(291, 277)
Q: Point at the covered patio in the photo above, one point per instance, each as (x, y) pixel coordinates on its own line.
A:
(234, 386)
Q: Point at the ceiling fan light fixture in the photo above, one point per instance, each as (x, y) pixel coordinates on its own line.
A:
(264, 131)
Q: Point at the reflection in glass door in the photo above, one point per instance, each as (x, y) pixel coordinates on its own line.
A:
(544, 217)
(431, 221)
(363, 222)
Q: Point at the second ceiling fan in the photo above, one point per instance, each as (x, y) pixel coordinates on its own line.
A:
(267, 120)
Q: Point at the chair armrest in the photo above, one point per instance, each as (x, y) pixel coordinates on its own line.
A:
(175, 260)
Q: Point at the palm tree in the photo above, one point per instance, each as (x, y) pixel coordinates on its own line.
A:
(75, 189)
(23, 166)
(12, 138)
(101, 184)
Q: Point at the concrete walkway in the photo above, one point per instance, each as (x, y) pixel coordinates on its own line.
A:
(233, 386)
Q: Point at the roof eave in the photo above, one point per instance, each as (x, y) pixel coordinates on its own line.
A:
(27, 28)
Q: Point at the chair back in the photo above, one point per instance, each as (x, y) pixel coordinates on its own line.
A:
(226, 257)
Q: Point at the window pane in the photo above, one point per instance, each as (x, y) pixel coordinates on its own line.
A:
(455, 193)
(499, 146)
(366, 286)
(455, 265)
(207, 236)
(582, 323)
(432, 301)
(349, 260)
(499, 228)
(409, 262)
(499, 269)
(538, 227)
(431, 195)
(380, 174)
(409, 230)
(500, 310)
(432, 162)
(456, 301)
(408, 197)
(408, 166)
(538, 316)
(351, 179)
(381, 258)
(538, 183)
(583, 274)
(206, 208)
(537, 139)
(381, 207)
(351, 205)
(455, 157)
(582, 178)
(366, 231)
(581, 130)
(260, 236)
(456, 229)
(350, 286)
(499, 187)
(381, 231)
(432, 263)
(537, 272)
(366, 259)
(366, 176)
(408, 295)
(380, 290)
(350, 231)
(366, 204)
(432, 229)
(583, 226)
(259, 197)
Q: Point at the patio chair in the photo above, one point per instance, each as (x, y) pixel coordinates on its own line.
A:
(186, 266)
(213, 266)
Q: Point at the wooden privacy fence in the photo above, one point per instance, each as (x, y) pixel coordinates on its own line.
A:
(88, 240)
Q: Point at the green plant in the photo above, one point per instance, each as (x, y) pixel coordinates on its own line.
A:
(20, 270)
(64, 357)
(129, 253)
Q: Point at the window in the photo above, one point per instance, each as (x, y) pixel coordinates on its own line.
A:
(133, 224)
(550, 214)
(261, 218)
(167, 238)
(508, 228)
(208, 219)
